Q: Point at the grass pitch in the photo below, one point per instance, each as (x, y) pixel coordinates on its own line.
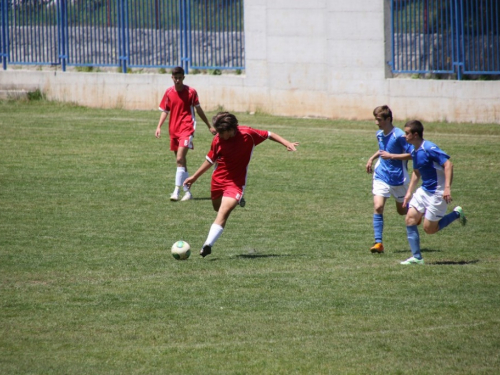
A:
(88, 285)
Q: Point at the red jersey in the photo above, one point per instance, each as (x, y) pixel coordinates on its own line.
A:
(231, 157)
(181, 107)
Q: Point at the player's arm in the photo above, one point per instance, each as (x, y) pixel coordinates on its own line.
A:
(202, 115)
(415, 176)
(405, 147)
(448, 179)
(370, 161)
(192, 179)
(163, 117)
(386, 155)
(290, 146)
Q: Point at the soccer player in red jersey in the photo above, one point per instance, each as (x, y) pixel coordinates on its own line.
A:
(230, 153)
(181, 101)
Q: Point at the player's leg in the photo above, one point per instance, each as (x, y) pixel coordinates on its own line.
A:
(412, 218)
(179, 176)
(224, 205)
(431, 227)
(435, 215)
(174, 146)
(399, 193)
(400, 209)
(185, 143)
(215, 230)
(216, 202)
(182, 172)
(456, 214)
(403, 210)
(227, 205)
(378, 223)
(437, 219)
(381, 191)
(415, 212)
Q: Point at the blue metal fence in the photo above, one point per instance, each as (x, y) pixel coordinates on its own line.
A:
(446, 36)
(195, 34)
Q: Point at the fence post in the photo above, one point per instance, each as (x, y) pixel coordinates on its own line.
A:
(459, 31)
(184, 31)
(5, 34)
(389, 35)
(62, 29)
(123, 34)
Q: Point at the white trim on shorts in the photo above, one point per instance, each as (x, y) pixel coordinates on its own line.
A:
(382, 189)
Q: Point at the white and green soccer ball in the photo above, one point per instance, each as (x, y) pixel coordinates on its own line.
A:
(181, 250)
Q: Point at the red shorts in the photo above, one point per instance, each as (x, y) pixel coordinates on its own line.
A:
(230, 191)
(181, 141)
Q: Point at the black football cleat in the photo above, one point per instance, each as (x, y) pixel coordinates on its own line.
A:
(206, 250)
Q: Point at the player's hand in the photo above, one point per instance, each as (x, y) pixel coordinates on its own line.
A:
(292, 146)
(188, 182)
(158, 133)
(385, 155)
(369, 168)
(406, 201)
(447, 195)
(213, 131)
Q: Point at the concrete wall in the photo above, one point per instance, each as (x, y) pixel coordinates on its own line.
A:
(324, 58)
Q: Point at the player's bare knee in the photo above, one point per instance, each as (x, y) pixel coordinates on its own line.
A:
(411, 220)
(430, 229)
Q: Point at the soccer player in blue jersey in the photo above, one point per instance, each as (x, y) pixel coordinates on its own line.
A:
(390, 174)
(432, 198)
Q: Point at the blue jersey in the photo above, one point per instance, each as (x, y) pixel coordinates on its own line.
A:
(429, 160)
(392, 172)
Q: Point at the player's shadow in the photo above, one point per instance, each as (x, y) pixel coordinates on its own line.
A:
(424, 250)
(442, 262)
(249, 256)
(255, 256)
(452, 262)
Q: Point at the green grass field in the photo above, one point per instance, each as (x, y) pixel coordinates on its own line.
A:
(88, 285)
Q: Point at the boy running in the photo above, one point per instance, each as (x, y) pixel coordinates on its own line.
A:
(390, 174)
(431, 199)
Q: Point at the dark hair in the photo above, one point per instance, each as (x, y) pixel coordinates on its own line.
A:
(415, 126)
(383, 111)
(177, 70)
(224, 121)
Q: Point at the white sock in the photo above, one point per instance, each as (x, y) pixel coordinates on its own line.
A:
(178, 176)
(214, 234)
(186, 175)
